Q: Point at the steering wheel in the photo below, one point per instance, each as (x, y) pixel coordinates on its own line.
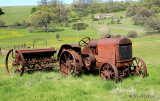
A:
(84, 41)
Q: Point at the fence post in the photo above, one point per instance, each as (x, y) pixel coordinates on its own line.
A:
(34, 43)
(24, 45)
(46, 42)
(1, 51)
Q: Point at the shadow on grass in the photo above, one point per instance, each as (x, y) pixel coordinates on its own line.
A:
(58, 30)
(55, 30)
(47, 70)
(94, 73)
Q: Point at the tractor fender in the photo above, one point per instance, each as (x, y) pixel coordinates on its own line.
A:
(74, 47)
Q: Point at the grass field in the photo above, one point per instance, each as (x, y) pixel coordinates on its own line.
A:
(51, 85)
(16, 14)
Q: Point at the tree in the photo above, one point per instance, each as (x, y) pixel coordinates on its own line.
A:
(59, 9)
(64, 13)
(80, 7)
(141, 1)
(152, 4)
(43, 18)
(94, 6)
(131, 10)
(73, 15)
(47, 13)
(153, 23)
(79, 26)
(2, 23)
(142, 15)
(1, 12)
(43, 2)
(56, 3)
(33, 10)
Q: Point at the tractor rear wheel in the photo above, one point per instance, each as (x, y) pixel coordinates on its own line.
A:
(70, 63)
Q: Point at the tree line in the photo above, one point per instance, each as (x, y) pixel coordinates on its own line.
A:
(50, 13)
(145, 13)
(47, 13)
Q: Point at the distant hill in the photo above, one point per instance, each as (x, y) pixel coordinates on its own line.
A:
(15, 13)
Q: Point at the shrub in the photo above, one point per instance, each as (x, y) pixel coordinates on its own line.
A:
(104, 32)
(66, 24)
(92, 16)
(2, 23)
(17, 24)
(118, 21)
(132, 34)
(94, 19)
(112, 21)
(121, 17)
(116, 36)
(31, 30)
(60, 25)
(57, 36)
(79, 26)
(24, 24)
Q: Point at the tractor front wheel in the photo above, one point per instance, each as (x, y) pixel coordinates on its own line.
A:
(109, 72)
(139, 67)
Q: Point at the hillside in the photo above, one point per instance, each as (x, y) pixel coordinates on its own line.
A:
(15, 13)
(18, 13)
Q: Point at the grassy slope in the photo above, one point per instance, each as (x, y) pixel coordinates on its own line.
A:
(15, 14)
(51, 85)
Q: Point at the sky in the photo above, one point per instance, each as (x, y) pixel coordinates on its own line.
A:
(28, 2)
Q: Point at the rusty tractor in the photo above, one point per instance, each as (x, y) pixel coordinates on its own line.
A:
(112, 57)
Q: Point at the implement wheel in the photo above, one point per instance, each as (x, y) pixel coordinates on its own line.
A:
(70, 63)
(109, 71)
(14, 63)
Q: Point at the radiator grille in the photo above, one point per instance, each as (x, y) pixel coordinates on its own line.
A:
(125, 52)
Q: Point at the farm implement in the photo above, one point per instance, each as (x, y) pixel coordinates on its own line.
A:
(112, 57)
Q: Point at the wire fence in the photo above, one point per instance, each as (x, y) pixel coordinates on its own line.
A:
(4, 48)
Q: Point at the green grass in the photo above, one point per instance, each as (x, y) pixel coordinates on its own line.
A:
(51, 85)
(16, 14)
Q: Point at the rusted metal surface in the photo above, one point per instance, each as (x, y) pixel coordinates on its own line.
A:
(70, 63)
(37, 53)
(93, 42)
(89, 61)
(75, 47)
(20, 61)
(116, 53)
(139, 67)
(14, 63)
(112, 57)
(109, 71)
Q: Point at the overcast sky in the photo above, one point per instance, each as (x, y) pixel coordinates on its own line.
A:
(29, 2)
